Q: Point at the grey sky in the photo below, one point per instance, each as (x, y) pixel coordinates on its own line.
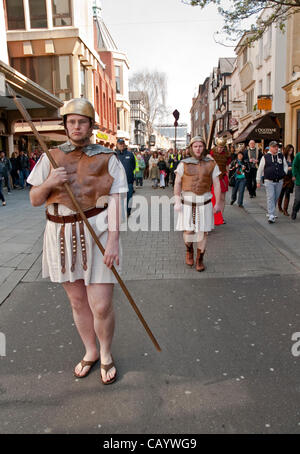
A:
(169, 36)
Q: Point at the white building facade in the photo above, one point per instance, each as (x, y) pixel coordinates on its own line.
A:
(261, 68)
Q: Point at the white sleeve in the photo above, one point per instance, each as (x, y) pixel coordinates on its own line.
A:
(180, 169)
(40, 172)
(117, 171)
(216, 172)
(260, 169)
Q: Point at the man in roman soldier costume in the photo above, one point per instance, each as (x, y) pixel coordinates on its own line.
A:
(70, 256)
(223, 158)
(192, 190)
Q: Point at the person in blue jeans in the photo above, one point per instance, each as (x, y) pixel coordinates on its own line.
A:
(128, 160)
(241, 169)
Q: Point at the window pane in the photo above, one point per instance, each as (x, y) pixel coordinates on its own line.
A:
(61, 13)
(62, 73)
(83, 81)
(43, 66)
(15, 15)
(118, 79)
(38, 13)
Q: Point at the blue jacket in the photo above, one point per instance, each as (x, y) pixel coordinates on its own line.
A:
(128, 161)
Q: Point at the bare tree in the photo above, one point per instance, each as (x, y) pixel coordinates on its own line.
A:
(243, 10)
(154, 86)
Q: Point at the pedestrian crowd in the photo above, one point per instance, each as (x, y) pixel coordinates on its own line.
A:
(15, 170)
(275, 167)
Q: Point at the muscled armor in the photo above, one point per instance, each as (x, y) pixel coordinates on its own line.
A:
(221, 159)
(197, 178)
(88, 177)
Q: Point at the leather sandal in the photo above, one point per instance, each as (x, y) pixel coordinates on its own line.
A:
(106, 367)
(84, 363)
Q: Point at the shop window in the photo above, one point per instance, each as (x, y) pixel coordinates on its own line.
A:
(38, 13)
(61, 11)
(15, 15)
(52, 73)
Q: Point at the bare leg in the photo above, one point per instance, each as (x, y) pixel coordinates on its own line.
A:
(222, 201)
(100, 300)
(189, 237)
(202, 240)
(84, 321)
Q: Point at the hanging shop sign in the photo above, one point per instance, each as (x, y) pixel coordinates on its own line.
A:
(264, 103)
(102, 136)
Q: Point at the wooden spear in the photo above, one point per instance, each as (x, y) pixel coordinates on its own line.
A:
(26, 116)
(211, 132)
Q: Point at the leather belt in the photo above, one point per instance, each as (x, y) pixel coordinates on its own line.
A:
(72, 219)
(194, 204)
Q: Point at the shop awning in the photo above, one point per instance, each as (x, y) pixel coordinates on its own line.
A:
(265, 128)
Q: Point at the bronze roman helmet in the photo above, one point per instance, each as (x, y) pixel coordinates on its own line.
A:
(221, 142)
(198, 139)
(79, 106)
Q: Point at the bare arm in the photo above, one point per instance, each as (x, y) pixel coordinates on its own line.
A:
(39, 194)
(217, 191)
(177, 192)
(112, 245)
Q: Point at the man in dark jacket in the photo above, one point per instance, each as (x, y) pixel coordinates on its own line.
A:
(128, 161)
(253, 156)
(6, 169)
(273, 167)
(23, 165)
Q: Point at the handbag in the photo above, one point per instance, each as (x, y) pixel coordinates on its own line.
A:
(232, 177)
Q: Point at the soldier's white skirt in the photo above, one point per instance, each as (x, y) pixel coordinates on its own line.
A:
(204, 215)
(97, 272)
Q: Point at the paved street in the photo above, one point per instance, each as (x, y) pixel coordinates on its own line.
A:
(226, 364)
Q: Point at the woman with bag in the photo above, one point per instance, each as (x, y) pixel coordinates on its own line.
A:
(162, 171)
(288, 183)
(239, 167)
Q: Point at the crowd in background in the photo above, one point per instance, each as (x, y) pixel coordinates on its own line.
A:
(159, 167)
(15, 170)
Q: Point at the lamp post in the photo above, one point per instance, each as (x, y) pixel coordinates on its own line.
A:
(176, 115)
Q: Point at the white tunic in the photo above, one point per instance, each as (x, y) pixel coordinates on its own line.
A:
(97, 271)
(204, 216)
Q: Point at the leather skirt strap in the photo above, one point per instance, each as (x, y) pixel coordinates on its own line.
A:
(83, 245)
(74, 246)
(62, 249)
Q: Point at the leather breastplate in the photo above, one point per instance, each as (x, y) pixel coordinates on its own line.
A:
(88, 177)
(197, 178)
(221, 159)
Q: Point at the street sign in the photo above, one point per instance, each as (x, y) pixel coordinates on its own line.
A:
(176, 115)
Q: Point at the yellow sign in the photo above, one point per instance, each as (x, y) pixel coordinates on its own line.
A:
(102, 136)
(264, 104)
